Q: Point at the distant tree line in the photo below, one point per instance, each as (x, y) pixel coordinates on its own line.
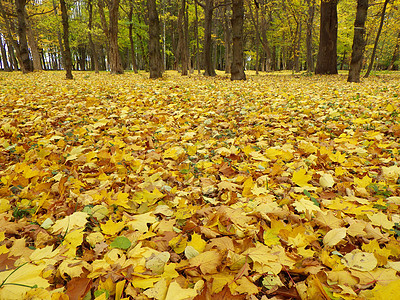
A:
(195, 35)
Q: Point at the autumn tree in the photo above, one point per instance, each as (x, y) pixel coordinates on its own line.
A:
(155, 58)
(358, 41)
(208, 7)
(237, 70)
(26, 62)
(66, 49)
(327, 53)
(378, 34)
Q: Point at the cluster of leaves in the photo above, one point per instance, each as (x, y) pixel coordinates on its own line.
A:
(191, 188)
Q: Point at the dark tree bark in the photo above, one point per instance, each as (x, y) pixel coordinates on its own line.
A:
(378, 34)
(327, 56)
(155, 58)
(114, 56)
(93, 51)
(237, 70)
(358, 41)
(182, 49)
(395, 55)
(132, 44)
(228, 38)
(207, 48)
(66, 49)
(309, 35)
(196, 34)
(26, 63)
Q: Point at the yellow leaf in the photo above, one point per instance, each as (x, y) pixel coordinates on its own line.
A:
(18, 281)
(175, 292)
(156, 262)
(207, 261)
(382, 291)
(364, 182)
(326, 180)
(334, 236)
(390, 108)
(261, 254)
(219, 280)
(170, 272)
(197, 242)
(174, 153)
(305, 205)
(247, 186)
(300, 178)
(72, 268)
(4, 205)
(140, 222)
(245, 286)
(178, 243)
(380, 219)
(144, 283)
(119, 288)
(72, 240)
(112, 228)
(361, 261)
(74, 221)
(46, 252)
(158, 291)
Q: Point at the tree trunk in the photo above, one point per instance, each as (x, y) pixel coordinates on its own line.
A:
(327, 56)
(196, 34)
(358, 41)
(66, 49)
(132, 44)
(395, 55)
(114, 56)
(93, 51)
(181, 52)
(377, 39)
(34, 47)
(237, 70)
(208, 63)
(4, 56)
(309, 36)
(155, 58)
(297, 48)
(26, 63)
(228, 38)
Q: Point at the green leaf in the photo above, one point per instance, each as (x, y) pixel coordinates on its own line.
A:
(121, 242)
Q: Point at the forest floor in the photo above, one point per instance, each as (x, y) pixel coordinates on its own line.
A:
(283, 187)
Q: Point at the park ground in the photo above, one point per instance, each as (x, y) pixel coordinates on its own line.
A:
(282, 186)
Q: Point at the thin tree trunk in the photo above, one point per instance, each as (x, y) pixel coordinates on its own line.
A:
(358, 41)
(228, 38)
(59, 37)
(196, 33)
(66, 48)
(297, 49)
(309, 36)
(4, 56)
(237, 70)
(93, 52)
(155, 58)
(327, 53)
(377, 39)
(208, 62)
(132, 44)
(395, 55)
